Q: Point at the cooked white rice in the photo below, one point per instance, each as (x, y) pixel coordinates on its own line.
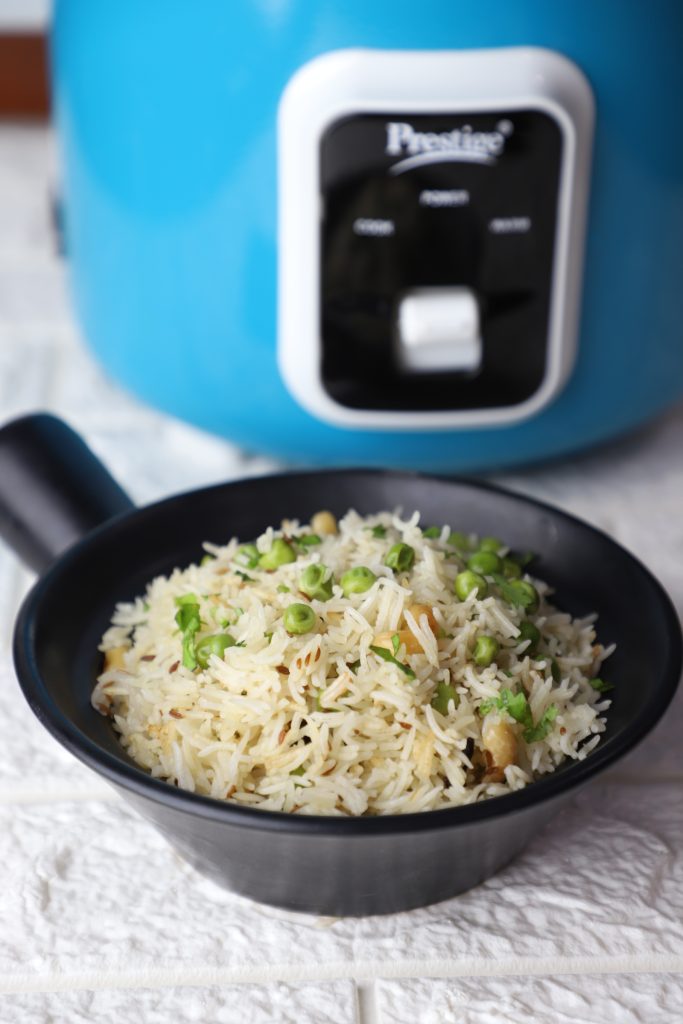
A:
(363, 739)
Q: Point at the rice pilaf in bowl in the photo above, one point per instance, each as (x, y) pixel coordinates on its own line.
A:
(362, 667)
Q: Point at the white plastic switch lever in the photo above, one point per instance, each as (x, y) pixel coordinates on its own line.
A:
(439, 330)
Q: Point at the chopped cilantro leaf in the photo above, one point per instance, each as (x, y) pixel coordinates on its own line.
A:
(535, 733)
(377, 531)
(189, 623)
(231, 616)
(458, 540)
(432, 532)
(248, 556)
(517, 706)
(189, 651)
(244, 576)
(187, 617)
(308, 540)
(600, 685)
(386, 655)
(318, 704)
(507, 591)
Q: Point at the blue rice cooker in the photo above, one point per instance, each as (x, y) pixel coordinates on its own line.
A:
(443, 235)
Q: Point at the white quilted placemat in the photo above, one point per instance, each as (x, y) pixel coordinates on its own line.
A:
(101, 920)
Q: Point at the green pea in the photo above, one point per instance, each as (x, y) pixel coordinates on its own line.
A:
(248, 556)
(458, 540)
(467, 581)
(493, 544)
(524, 594)
(357, 580)
(485, 650)
(299, 618)
(400, 557)
(511, 569)
(443, 695)
(316, 582)
(527, 631)
(217, 643)
(280, 554)
(484, 562)
(309, 540)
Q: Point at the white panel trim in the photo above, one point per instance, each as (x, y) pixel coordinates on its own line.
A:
(347, 82)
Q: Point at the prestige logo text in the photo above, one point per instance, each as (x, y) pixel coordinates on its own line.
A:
(460, 144)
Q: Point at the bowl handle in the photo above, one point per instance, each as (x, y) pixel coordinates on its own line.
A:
(53, 490)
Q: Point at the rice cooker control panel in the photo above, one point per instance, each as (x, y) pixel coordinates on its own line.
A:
(431, 231)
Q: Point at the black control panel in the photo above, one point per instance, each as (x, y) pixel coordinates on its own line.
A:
(414, 201)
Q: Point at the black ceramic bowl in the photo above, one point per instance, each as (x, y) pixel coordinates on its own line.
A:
(324, 865)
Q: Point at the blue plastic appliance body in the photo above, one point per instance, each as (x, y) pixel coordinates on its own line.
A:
(166, 117)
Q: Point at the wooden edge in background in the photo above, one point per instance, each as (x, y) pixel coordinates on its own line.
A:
(24, 79)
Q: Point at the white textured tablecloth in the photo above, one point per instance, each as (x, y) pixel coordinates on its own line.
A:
(101, 921)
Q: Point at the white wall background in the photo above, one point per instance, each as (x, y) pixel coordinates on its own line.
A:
(24, 15)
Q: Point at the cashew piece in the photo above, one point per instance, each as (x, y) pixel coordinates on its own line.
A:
(412, 644)
(498, 738)
(418, 610)
(324, 523)
(114, 658)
